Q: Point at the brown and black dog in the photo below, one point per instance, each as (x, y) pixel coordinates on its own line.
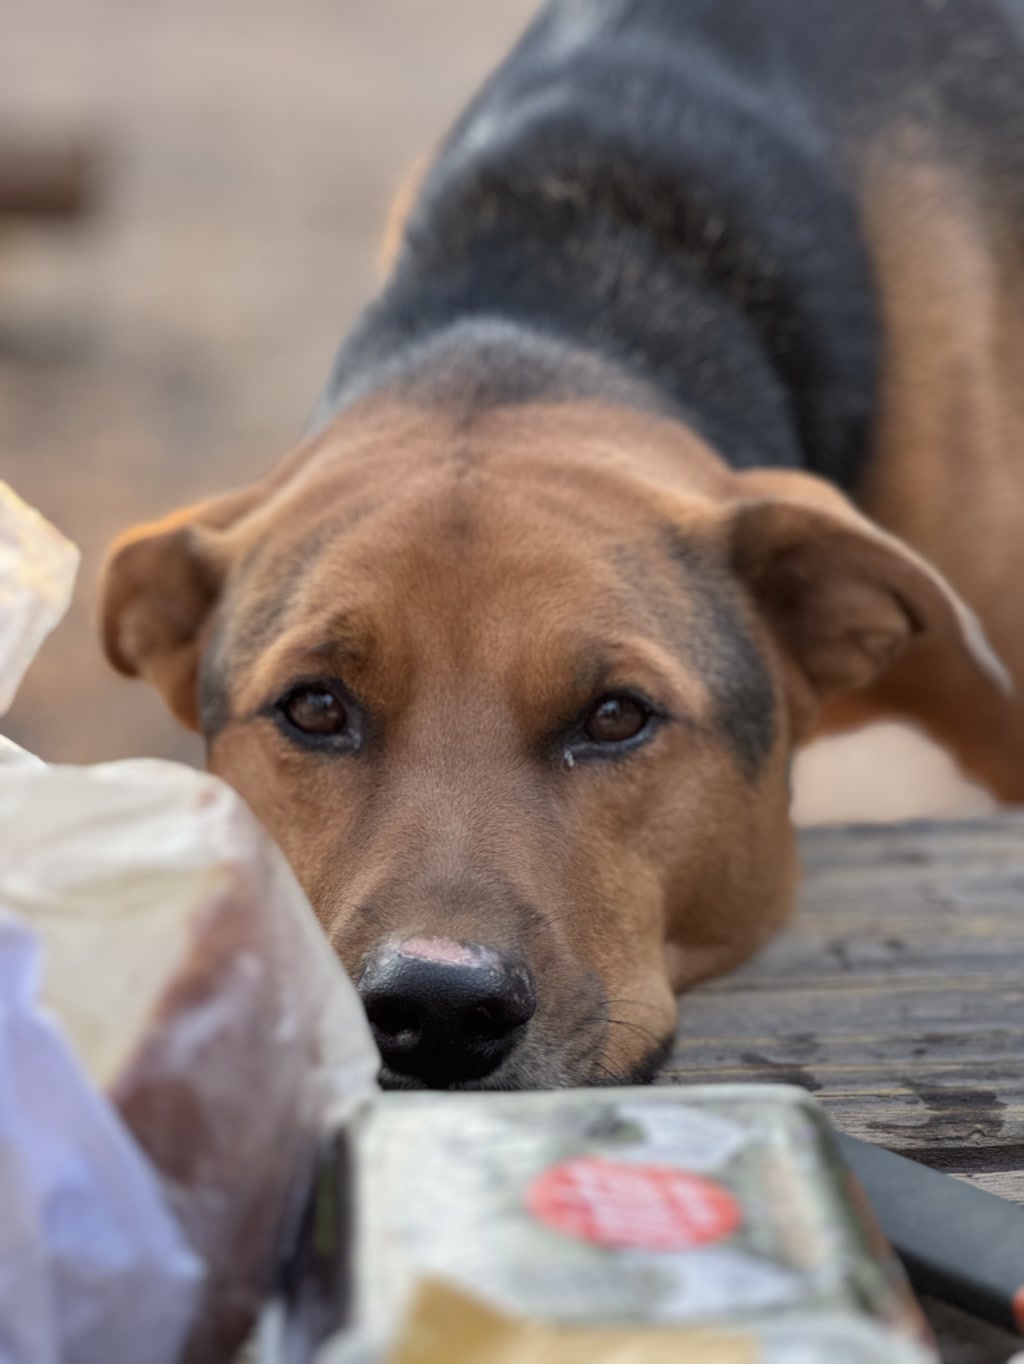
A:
(512, 654)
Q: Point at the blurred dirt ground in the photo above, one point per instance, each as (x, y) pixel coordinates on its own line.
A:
(174, 345)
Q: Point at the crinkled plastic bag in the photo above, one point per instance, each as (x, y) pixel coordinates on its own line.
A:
(37, 575)
(175, 1035)
(93, 1265)
(198, 991)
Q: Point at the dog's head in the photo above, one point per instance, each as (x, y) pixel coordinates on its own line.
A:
(517, 696)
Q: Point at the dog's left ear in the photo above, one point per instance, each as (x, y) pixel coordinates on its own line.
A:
(841, 597)
(158, 589)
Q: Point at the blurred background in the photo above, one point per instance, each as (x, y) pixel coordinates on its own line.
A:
(170, 342)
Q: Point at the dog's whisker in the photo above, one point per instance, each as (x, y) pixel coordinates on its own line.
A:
(621, 1023)
(607, 1072)
(636, 1027)
(637, 1003)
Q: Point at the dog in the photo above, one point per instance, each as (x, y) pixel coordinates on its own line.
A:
(683, 428)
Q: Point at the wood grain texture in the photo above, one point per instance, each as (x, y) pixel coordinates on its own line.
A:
(896, 997)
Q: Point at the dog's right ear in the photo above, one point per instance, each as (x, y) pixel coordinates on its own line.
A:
(158, 588)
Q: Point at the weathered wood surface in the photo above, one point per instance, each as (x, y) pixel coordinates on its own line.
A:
(897, 997)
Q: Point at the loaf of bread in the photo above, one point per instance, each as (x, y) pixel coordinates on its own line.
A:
(185, 965)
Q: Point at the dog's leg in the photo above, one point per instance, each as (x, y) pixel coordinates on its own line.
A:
(947, 472)
(983, 730)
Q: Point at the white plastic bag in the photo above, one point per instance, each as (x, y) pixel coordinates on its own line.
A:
(37, 576)
(93, 1266)
(197, 992)
(175, 1033)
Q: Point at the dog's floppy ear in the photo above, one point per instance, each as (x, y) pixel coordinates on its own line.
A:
(842, 597)
(157, 591)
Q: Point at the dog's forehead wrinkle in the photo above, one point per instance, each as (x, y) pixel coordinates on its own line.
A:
(593, 667)
(719, 641)
(213, 683)
(343, 637)
(261, 592)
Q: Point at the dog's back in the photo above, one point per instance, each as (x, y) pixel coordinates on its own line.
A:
(682, 187)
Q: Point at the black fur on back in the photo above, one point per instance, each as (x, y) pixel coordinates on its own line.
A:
(659, 198)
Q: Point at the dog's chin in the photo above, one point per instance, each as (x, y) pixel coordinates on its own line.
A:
(390, 1079)
(533, 1073)
(643, 1071)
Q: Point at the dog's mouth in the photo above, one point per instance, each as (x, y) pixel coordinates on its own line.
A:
(539, 1072)
(391, 1079)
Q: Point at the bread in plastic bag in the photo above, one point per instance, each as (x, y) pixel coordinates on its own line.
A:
(93, 1265)
(186, 967)
(193, 1005)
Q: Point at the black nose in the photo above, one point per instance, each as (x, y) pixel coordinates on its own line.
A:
(445, 1013)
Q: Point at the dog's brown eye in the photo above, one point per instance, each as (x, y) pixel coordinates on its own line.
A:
(615, 719)
(315, 710)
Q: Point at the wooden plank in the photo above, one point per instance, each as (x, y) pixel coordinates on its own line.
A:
(896, 996)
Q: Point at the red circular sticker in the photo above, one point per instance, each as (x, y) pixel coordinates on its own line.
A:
(648, 1207)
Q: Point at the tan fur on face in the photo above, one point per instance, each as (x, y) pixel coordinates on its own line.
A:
(475, 582)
